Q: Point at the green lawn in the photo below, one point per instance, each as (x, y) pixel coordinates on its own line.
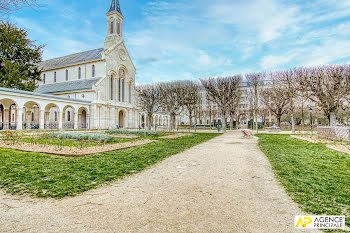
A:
(45, 175)
(316, 178)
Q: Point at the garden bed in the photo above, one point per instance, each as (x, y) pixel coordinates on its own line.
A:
(70, 151)
(338, 146)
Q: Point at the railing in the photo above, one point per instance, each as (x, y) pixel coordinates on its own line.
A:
(68, 126)
(31, 126)
(8, 126)
(84, 126)
(51, 126)
(334, 132)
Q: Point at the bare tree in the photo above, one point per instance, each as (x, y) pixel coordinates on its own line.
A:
(255, 82)
(149, 100)
(291, 90)
(236, 94)
(9, 6)
(274, 97)
(327, 86)
(221, 91)
(191, 98)
(172, 101)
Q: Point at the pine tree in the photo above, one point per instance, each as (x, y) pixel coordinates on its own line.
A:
(19, 58)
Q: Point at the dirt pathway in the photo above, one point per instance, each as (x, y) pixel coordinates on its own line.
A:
(224, 185)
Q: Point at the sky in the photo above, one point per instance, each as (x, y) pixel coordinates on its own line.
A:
(191, 39)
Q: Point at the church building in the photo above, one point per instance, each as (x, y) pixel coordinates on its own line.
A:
(88, 90)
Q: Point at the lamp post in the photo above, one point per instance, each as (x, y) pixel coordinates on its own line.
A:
(310, 118)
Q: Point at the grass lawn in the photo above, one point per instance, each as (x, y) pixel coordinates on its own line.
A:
(45, 175)
(316, 178)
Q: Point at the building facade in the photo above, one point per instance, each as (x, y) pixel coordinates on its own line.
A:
(93, 89)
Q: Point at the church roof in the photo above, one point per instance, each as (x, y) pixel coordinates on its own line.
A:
(72, 59)
(38, 94)
(115, 6)
(78, 85)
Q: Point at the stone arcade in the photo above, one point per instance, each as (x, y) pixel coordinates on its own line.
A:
(89, 90)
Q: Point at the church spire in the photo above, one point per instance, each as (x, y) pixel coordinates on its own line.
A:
(115, 7)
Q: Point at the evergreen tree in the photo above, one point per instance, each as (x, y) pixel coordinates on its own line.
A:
(19, 58)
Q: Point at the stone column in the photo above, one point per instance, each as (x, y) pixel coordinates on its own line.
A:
(76, 116)
(19, 119)
(42, 119)
(60, 120)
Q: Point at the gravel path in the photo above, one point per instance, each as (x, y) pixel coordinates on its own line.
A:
(224, 185)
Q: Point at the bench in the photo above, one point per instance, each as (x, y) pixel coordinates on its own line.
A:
(247, 133)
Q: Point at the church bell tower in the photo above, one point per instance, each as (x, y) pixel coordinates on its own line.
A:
(114, 25)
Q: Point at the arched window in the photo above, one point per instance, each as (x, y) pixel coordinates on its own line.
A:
(56, 117)
(123, 90)
(93, 70)
(119, 89)
(129, 92)
(32, 116)
(112, 26)
(118, 27)
(44, 79)
(79, 73)
(112, 88)
(66, 75)
(55, 77)
(68, 115)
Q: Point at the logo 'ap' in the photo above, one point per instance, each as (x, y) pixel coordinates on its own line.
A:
(307, 220)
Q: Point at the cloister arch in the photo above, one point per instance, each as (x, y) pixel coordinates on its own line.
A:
(143, 121)
(83, 118)
(52, 116)
(68, 116)
(31, 115)
(9, 114)
(121, 119)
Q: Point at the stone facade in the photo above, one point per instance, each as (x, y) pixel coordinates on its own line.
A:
(93, 89)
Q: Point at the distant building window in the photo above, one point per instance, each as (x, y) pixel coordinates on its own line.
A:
(79, 73)
(93, 70)
(55, 77)
(118, 28)
(112, 26)
(44, 79)
(66, 75)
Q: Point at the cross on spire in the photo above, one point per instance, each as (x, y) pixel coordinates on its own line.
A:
(115, 6)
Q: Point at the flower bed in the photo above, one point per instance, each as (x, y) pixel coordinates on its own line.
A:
(81, 136)
(70, 151)
(125, 131)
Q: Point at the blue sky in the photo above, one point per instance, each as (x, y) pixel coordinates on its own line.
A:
(170, 40)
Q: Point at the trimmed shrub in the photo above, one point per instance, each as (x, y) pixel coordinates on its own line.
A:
(125, 131)
(81, 136)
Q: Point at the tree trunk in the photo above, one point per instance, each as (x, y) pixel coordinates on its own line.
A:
(172, 121)
(292, 117)
(279, 120)
(190, 116)
(332, 119)
(149, 120)
(224, 124)
(231, 121)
